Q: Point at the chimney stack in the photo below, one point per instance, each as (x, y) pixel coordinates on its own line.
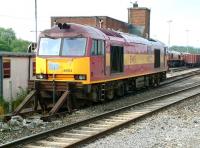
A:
(140, 17)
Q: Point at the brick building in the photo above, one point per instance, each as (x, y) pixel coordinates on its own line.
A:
(138, 21)
(95, 21)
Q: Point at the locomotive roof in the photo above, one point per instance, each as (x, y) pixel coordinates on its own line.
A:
(75, 30)
(78, 30)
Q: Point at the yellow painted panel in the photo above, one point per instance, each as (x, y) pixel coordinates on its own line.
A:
(64, 67)
(134, 59)
(107, 59)
(41, 65)
(161, 59)
(82, 66)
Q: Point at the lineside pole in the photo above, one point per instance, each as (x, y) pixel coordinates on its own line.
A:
(36, 21)
(1, 79)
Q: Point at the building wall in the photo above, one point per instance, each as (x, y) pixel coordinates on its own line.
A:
(19, 76)
(78, 20)
(116, 25)
(107, 22)
(138, 21)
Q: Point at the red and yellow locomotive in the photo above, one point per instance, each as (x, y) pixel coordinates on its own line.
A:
(97, 63)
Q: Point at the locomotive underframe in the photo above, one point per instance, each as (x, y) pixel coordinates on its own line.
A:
(54, 95)
(51, 96)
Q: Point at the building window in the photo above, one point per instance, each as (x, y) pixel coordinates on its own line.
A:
(98, 47)
(6, 68)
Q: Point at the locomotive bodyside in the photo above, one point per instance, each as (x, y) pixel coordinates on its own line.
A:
(100, 62)
(175, 59)
(137, 53)
(192, 60)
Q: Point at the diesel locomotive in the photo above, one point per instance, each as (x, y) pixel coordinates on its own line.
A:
(95, 64)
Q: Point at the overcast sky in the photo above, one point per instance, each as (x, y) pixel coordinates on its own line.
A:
(185, 14)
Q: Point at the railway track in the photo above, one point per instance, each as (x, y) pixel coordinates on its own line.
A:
(168, 81)
(178, 69)
(180, 77)
(84, 131)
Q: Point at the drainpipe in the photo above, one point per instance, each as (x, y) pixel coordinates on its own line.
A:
(1, 79)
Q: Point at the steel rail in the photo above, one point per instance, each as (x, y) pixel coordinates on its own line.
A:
(180, 77)
(44, 135)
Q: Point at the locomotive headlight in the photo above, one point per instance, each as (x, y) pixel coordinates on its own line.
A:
(41, 76)
(80, 77)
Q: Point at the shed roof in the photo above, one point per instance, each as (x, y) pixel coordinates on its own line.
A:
(16, 54)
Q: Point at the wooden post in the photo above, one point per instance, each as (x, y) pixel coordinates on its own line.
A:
(25, 102)
(54, 92)
(36, 87)
(60, 102)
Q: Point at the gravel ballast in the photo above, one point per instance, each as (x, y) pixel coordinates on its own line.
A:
(178, 126)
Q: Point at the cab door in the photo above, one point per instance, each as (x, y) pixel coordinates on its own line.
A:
(97, 53)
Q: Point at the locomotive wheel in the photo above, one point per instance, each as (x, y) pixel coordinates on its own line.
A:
(152, 81)
(94, 94)
(120, 90)
(110, 94)
(157, 81)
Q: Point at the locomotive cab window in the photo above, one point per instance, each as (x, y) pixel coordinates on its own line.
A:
(49, 47)
(98, 47)
(156, 58)
(117, 59)
(62, 46)
(73, 47)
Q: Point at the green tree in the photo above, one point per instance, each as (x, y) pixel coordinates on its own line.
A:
(19, 45)
(4, 46)
(187, 49)
(9, 42)
(7, 34)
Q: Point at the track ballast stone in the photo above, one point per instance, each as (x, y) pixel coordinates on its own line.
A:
(8, 133)
(176, 127)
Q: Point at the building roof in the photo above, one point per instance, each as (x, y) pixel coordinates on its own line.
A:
(16, 54)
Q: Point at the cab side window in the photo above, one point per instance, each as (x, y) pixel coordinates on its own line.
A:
(97, 47)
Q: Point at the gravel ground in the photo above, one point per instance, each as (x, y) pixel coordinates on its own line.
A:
(176, 127)
(10, 132)
(171, 73)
